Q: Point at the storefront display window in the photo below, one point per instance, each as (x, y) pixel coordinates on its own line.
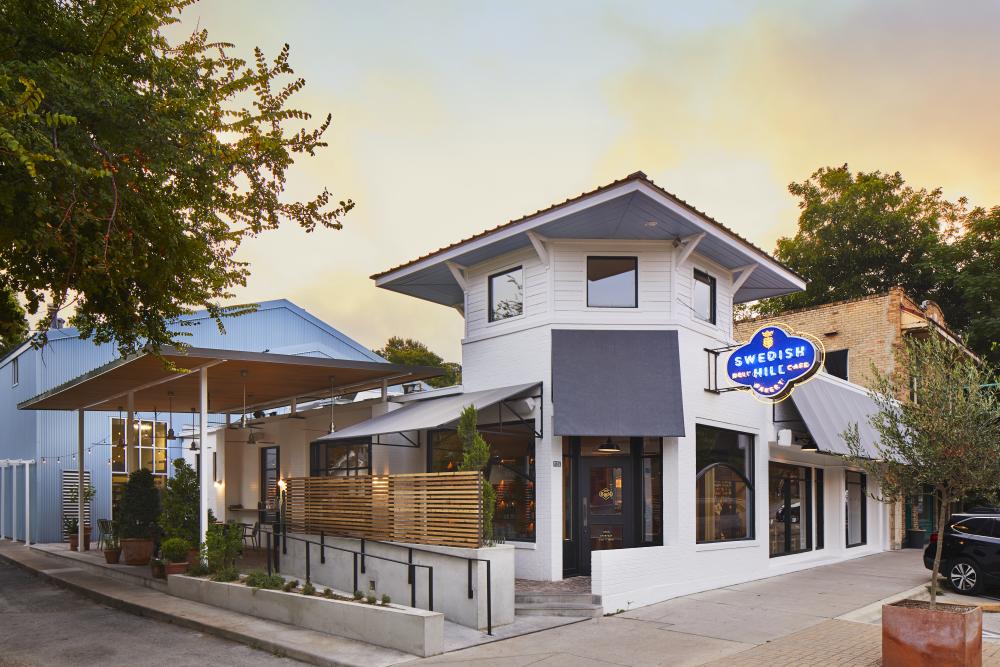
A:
(340, 460)
(855, 510)
(724, 485)
(789, 509)
(511, 471)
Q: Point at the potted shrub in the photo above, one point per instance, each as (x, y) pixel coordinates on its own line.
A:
(72, 529)
(138, 511)
(947, 438)
(113, 548)
(89, 492)
(175, 552)
(180, 517)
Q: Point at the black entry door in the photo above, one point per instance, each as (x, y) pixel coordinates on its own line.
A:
(607, 506)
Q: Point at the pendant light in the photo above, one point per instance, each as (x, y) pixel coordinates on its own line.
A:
(170, 431)
(609, 447)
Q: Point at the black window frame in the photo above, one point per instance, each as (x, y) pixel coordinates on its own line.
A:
(834, 354)
(805, 510)
(490, 314)
(748, 479)
(707, 279)
(635, 283)
(277, 471)
(318, 468)
(864, 509)
(820, 527)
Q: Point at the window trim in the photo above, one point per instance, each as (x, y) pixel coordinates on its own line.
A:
(751, 458)
(139, 447)
(490, 316)
(316, 447)
(713, 285)
(15, 372)
(635, 286)
(806, 508)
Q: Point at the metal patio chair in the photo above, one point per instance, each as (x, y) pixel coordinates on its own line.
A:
(105, 528)
(252, 533)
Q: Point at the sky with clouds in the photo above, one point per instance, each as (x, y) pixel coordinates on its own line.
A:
(452, 117)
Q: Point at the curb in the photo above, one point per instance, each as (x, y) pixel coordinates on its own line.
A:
(254, 642)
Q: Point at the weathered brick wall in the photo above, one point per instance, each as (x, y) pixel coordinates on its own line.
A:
(869, 328)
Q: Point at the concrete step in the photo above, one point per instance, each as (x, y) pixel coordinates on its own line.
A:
(568, 609)
(570, 598)
(93, 561)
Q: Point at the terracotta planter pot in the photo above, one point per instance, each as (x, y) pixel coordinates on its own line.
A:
(137, 551)
(111, 556)
(176, 568)
(915, 636)
(158, 569)
(74, 538)
(194, 556)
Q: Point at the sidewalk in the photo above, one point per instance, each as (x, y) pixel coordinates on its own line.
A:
(789, 619)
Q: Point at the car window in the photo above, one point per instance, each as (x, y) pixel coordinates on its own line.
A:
(975, 526)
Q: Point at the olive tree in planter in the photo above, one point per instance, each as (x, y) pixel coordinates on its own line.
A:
(945, 437)
(138, 511)
(476, 456)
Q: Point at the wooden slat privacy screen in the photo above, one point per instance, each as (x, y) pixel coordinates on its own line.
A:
(425, 508)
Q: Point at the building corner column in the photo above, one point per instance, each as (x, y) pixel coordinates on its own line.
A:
(80, 516)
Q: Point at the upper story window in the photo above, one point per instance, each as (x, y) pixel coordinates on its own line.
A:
(506, 294)
(612, 282)
(704, 296)
(15, 372)
(836, 363)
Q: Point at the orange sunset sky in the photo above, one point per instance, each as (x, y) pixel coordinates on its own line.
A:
(451, 117)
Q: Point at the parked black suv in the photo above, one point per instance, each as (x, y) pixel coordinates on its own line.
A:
(970, 558)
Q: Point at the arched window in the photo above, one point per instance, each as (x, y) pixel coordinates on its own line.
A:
(724, 485)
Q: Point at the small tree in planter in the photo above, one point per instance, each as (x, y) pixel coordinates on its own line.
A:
(476, 456)
(180, 516)
(946, 438)
(138, 511)
(72, 496)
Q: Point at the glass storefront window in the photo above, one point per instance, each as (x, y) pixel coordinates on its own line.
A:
(724, 487)
(511, 471)
(340, 460)
(789, 509)
(151, 438)
(855, 510)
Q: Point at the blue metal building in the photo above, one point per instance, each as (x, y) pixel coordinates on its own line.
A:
(49, 438)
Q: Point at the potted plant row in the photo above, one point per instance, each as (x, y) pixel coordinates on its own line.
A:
(72, 528)
(112, 547)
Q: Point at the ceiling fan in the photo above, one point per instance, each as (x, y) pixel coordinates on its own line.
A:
(243, 424)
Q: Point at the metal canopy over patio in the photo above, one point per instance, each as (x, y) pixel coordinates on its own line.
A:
(427, 414)
(182, 378)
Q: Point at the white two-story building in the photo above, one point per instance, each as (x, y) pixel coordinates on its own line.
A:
(596, 334)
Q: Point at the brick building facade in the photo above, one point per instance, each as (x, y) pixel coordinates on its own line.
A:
(857, 334)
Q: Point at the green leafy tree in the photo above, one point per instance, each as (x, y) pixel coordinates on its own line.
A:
(181, 501)
(410, 352)
(973, 261)
(139, 506)
(947, 439)
(132, 168)
(476, 456)
(13, 324)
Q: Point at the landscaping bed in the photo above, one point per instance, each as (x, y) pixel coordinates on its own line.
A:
(365, 618)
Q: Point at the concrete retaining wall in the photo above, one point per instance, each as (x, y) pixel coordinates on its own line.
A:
(451, 576)
(411, 630)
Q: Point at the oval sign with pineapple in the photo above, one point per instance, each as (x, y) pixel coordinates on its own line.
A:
(773, 361)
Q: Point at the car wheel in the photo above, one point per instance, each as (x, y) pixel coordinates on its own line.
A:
(964, 577)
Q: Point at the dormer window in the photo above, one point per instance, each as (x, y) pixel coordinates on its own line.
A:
(612, 282)
(506, 294)
(704, 296)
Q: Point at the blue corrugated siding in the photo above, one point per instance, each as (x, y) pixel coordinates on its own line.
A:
(275, 327)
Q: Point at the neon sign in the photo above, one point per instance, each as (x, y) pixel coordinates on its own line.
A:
(773, 361)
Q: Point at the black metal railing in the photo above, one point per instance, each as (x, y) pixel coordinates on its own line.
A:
(279, 534)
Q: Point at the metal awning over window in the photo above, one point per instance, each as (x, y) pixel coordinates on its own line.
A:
(829, 406)
(428, 414)
(616, 383)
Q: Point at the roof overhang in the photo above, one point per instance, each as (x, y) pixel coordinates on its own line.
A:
(268, 379)
(625, 210)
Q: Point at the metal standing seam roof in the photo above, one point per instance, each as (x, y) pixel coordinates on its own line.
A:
(426, 414)
(829, 407)
(634, 176)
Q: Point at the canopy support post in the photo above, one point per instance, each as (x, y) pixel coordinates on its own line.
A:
(80, 422)
(132, 458)
(3, 515)
(206, 470)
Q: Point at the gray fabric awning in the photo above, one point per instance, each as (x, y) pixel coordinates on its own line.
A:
(427, 414)
(829, 406)
(616, 383)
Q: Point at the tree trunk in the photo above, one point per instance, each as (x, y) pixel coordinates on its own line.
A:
(942, 518)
